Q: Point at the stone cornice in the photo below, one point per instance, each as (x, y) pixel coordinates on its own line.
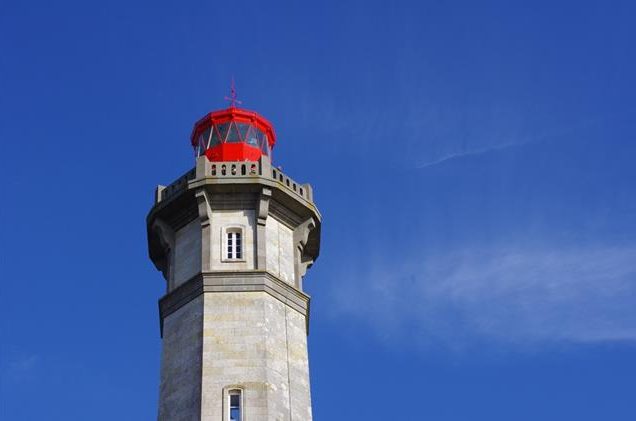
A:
(182, 202)
(241, 281)
(255, 184)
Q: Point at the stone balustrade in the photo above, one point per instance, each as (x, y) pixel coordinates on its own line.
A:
(261, 168)
(234, 169)
(303, 190)
(180, 184)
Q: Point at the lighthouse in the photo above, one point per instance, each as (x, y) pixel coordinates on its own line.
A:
(233, 238)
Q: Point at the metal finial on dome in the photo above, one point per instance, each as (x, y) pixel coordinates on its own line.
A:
(232, 97)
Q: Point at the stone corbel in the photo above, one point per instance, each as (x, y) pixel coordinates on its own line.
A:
(205, 214)
(205, 210)
(262, 211)
(263, 206)
(165, 234)
(303, 262)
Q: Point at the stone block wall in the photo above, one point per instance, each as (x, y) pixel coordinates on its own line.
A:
(280, 250)
(180, 388)
(253, 341)
(187, 253)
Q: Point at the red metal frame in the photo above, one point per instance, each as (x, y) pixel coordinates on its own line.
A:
(238, 151)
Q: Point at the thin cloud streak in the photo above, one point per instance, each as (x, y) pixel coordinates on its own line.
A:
(517, 297)
(566, 130)
(473, 152)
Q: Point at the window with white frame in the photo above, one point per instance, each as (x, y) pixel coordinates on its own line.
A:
(234, 244)
(235, 405)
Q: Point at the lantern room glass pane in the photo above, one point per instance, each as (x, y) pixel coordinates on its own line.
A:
(262, 142)
(203, 139)
(243, 128)
(214, 139)
(251, 137)
(265, 145)
(233, 134)
(223, 128)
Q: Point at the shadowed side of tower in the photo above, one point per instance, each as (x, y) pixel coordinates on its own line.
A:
(233, 238)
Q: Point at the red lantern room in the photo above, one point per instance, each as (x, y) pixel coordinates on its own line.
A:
(234, 134)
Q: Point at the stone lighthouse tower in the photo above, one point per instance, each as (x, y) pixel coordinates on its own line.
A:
(233, 238)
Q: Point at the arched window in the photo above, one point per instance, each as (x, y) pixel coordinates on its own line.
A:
(234, 244)
(235, 405)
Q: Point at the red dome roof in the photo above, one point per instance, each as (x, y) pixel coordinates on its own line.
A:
(234, 134)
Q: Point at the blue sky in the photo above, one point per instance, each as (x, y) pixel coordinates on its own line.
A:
(473, 161)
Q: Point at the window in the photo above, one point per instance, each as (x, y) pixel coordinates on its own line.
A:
(214, 139)
(234, 242)
(223, 128)
(252, 137)
(203, 141)
(243, 128)
(264, 145)
(235, 405)
(233, 135)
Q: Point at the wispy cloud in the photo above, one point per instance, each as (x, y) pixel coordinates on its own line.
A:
(519, 296)
(470, 152)
(18, 368)
(515, 141)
